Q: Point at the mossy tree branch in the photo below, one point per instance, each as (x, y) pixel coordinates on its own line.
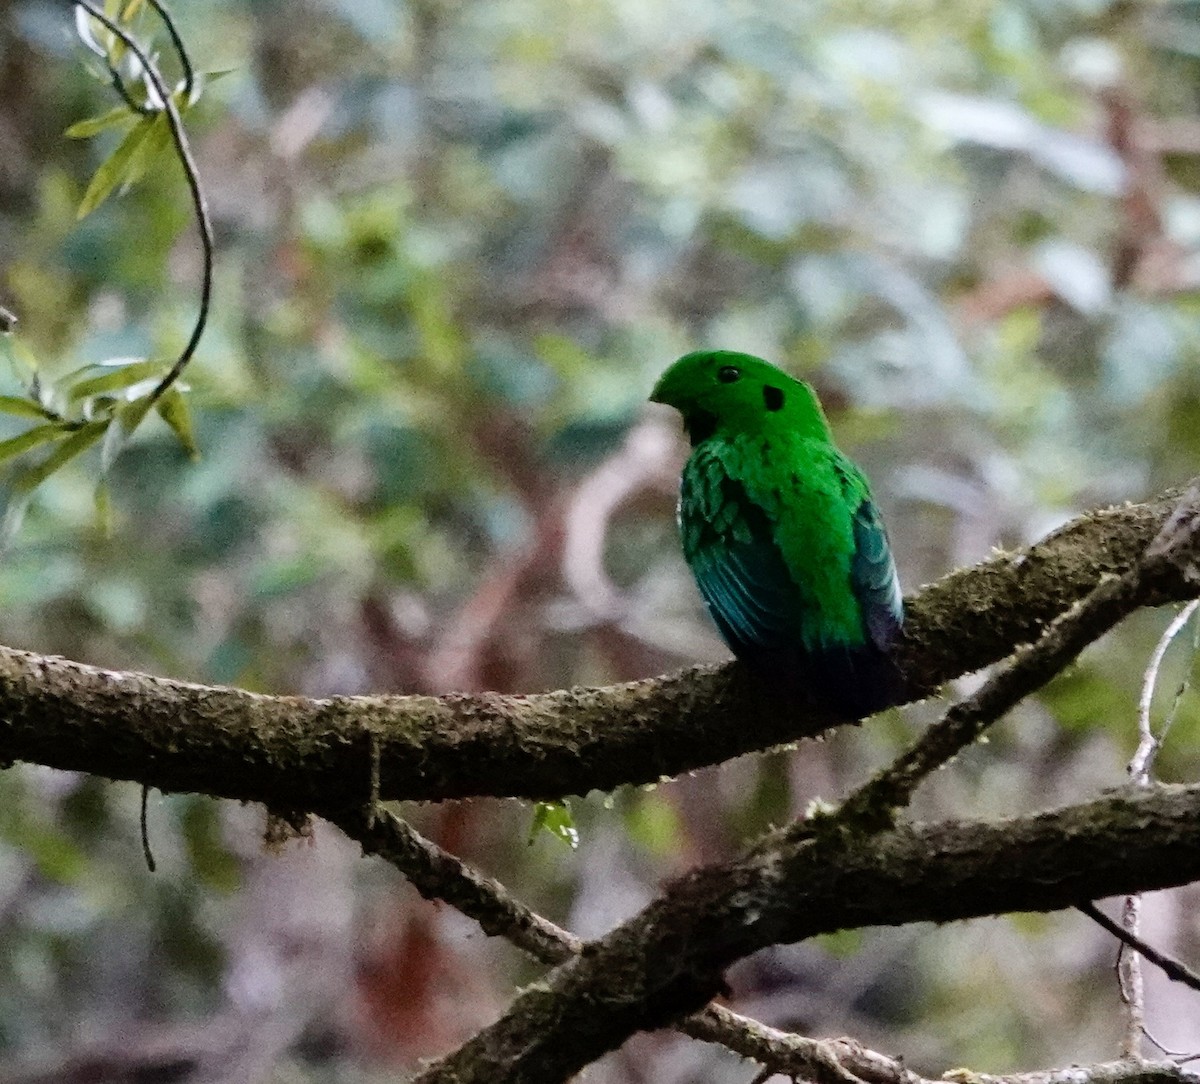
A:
(301, 753)
(668, 960)
(438, 875)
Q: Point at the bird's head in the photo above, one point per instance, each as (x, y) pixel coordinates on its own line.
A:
(727, 393)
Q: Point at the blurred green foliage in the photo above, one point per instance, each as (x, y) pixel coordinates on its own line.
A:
(456, 244)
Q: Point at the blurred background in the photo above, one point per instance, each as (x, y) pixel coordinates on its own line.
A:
(456, 245)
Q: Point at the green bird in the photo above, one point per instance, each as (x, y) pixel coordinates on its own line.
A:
(780, 531)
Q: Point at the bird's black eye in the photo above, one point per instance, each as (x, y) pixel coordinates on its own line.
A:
(728, 374)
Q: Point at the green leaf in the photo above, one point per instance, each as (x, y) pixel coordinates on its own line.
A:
(115, 379)
(173, 410)
(555, 818)
(31, 438)
(85, 129)
(115, 169)
(127, 418)
(21, 358)
(79, 441)
(152, 150)
(22, 408)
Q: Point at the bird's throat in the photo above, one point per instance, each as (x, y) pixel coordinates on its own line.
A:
(699, 425)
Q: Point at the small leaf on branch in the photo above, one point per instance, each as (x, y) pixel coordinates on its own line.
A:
(555, 818)
(146, 141)
(127, 418)
(173, 410)
(22, 491)
(115, 169)
(32, 438)
(155, 147)
(22, 408)
(200, 83)
(85, 129)
(120, 376)
(79, 441)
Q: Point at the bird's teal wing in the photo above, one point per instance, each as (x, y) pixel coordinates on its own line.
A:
(742, 576)
(747, 587)
(873, 576)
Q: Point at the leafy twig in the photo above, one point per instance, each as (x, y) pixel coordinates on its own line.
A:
(183, 149)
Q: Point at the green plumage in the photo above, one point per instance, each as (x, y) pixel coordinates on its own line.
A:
(780, 531)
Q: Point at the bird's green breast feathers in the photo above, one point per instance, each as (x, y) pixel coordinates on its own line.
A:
(804, 494)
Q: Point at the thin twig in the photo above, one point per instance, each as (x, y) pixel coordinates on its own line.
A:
(199, 202)
(1172, 968)
(104, 52)
(117, 81)
(1142, 762)
(439, 875)
(143, 821)
(185, 61)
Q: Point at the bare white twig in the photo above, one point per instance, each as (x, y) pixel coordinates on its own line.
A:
(1141, 767)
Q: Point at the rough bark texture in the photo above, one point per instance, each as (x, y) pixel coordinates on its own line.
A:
(298, 753)
(668, 960)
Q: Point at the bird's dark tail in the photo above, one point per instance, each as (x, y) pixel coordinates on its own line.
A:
(851, 682)
(854, 682)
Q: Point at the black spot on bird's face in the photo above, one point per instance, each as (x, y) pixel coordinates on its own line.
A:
(772, 397)
(700, 425)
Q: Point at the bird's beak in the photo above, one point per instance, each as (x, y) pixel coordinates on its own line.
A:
(660, 393)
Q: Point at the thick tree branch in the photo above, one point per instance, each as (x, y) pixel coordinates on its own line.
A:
(667, 961)
(438, 875)
(299, 753)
